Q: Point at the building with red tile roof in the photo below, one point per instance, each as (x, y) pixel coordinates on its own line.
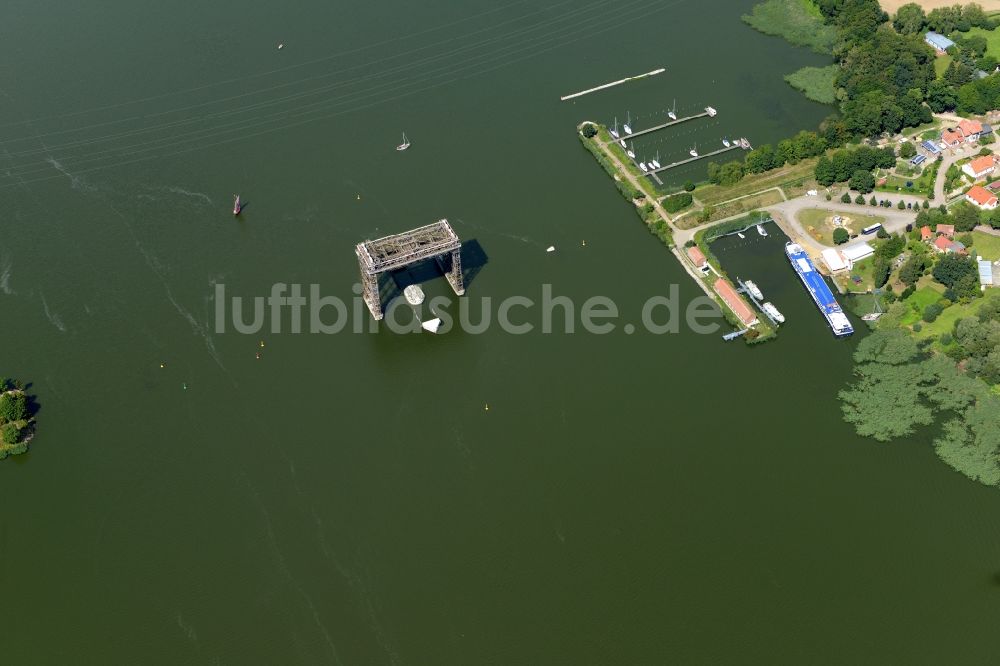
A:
(942, 243)
(947, 229)
(981, 198)
(697, 257)
(970, 129)
(950, 138)
(926, 233)
(735, 302)
(980, 166)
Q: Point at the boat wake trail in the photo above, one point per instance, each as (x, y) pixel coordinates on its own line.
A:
(76, 182)
(53, 318)
(5, 267)
(279, 559)
(201, 196)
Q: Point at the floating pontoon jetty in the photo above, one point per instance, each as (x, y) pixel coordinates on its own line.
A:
(613, 84)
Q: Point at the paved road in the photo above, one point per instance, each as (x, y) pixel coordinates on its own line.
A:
(953, 155)
(895, 219)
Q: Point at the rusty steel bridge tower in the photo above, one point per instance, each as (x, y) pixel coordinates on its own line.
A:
(393, 252)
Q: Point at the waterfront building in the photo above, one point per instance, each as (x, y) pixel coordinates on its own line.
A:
(735, 302)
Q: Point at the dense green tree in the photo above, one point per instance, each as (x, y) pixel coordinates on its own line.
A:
(880, 272)
(873, 201)
(761, 159)
(965, 217)
(907, 150)
(845, 198)
(589, 131)
(910, 19)
(13, 407)
(952, 268)
(860, 199)
(862, 181)
(677, 202)
(713, 172)
(932, 312)
(941, 97)
(840, 236)
(912, 270)
(825, 173)
(731, 173)
(10, 434)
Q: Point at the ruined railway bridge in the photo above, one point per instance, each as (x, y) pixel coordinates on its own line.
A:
(435, 241)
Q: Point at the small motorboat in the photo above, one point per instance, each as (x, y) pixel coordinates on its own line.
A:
(622, 142)
(237, 206)
(550, 248)
(642, 165)
(740, 234)
(725, 142)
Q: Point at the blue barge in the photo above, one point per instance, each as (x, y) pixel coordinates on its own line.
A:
(819, 290)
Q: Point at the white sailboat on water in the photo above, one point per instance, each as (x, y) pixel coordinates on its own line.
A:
(614, 132)
(694, 151)
(405, 144)
(628, 123)
(673, 111)
(656, 161)
(630, 151)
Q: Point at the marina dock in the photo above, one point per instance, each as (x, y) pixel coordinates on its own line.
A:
(741, 143)
(657, 128)
(756, 301)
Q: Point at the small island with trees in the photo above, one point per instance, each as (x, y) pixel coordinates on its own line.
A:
(17, 423)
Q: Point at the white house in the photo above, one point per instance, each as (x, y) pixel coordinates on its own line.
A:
(980, 167)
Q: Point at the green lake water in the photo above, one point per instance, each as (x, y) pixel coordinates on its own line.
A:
(347, 499)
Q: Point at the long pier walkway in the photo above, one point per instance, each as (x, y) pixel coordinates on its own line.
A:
(657, 128)
(741, 143)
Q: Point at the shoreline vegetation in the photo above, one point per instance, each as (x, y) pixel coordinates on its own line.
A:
(634, 187)
(17, 423)
(799, 22)
(817, 83)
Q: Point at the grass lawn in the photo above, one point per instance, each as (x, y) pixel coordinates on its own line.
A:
(986, 245)
(917, 301)
(946, 321)
(788, 175)
(992, 40)
(733, 208)
(819, 223)
(941, 64)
